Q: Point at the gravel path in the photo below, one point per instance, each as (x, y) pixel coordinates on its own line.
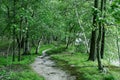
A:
(46, 68)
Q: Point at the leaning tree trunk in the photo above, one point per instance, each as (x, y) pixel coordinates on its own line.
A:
(103, 7)
(83, 30)
(103, 43)
(100, 67)
(38, 47)
(101, 37)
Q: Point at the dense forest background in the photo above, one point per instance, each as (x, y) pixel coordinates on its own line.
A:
(77, 29)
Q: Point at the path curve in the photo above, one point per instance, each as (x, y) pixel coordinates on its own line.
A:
(46, 68)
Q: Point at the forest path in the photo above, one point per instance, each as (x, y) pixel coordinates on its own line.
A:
(46, 68)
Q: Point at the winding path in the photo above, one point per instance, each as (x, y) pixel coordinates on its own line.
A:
(46, 68)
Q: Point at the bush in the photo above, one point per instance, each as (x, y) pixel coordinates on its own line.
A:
(56, 50)
(109, 77)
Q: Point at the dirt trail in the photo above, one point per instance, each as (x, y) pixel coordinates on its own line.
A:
(46, 68)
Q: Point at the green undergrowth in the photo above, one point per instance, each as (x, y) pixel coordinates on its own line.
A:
(87, 70)
(4, 43)
(26, 59)
(42, 48)
(18, 70)
(56, 50)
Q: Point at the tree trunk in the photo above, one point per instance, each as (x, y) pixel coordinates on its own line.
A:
(20, 39)
(14, 13)
(103, 7)
(92, 55)
(100, 67)
(26, 42)
(13, 58)
(38, 47)
(26, 45)
(67, 43)
(84, 35)
(101, 37)
(102, 43)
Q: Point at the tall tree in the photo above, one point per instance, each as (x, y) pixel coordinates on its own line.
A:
(103, 9)
(14, 22)
(92, 55)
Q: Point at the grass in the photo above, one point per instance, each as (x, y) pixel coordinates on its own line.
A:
(18, 70)
(87, 70)
(75, 62)
(26, 75)
(4, 43)
(42, 48)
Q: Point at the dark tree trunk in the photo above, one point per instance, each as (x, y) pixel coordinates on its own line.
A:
(101, 37)
(103, 7)
(14, 13)
(38, 45)
(13, 58)
(92, 55)
(26, 45)
(20, 39)
(67, 43)
(100, 67)
(102, 43)
(26, 42)
(20, 43)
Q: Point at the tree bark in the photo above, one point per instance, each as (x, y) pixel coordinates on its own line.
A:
(14, 13)
(20, 39)
(103, 6)
(102, 43)
(100, 67)
(26, 42)
(92, 55)
(84, 35)
(38, 47)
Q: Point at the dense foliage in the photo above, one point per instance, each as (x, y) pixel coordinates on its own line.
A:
(85, 26)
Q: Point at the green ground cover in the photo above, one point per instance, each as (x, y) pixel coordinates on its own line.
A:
(88, 70)
(18, 70)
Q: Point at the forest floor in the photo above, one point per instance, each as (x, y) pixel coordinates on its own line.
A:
(18, 70)
(88, 70)
(77, 65)
(60, 65)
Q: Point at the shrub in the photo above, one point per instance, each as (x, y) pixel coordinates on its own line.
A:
(109, 77)
(56, 50)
